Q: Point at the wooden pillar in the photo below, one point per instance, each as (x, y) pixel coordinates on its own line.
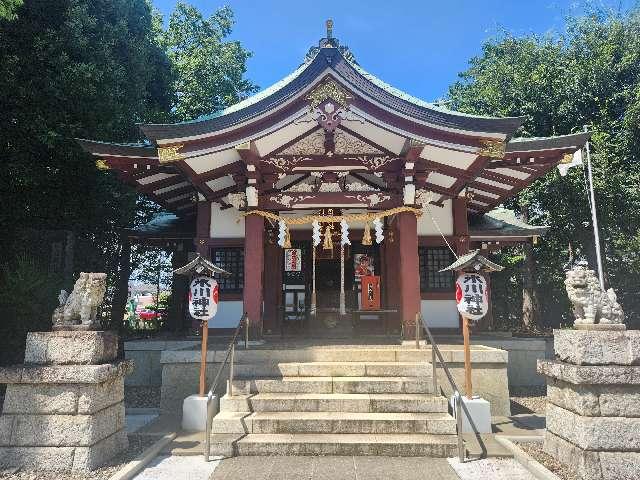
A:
(391, 278)
(408, 266)
(203, 221)
(179, 289)
(272, 286)
(253, 271)
(460, 231)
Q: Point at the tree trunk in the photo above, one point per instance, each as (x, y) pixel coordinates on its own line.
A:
(529, 297)
(122, 289)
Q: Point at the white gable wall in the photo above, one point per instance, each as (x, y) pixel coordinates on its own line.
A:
(442, 215)
(225, 224)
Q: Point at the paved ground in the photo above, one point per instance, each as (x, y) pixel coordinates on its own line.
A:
(178, 468)
(334, 468)
(490, 469)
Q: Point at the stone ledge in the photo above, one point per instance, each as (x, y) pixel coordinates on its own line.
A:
(593, 347)
(62, 398)
(594, 433)
(593, 465)
(65, 458)
(590, 374)
(79, 374)
(595, 400)
(23, 430)
(71, 348)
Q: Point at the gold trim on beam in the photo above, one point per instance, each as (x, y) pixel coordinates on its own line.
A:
(492, 148)
(328, 89)
(566, 158)
(170, 154)
(102, 165)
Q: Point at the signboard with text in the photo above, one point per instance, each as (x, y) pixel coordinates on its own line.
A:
(292, 260)
(472, 296)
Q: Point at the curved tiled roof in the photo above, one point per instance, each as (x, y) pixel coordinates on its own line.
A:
(330, 57)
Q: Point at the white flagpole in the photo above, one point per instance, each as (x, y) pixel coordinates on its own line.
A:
(594, 216)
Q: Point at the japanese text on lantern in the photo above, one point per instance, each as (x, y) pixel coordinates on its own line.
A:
(472, 296)
(203, 298)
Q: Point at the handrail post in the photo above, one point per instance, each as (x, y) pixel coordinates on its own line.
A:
(458, 404)
(434, 370)
(246, 333)
(233, 351)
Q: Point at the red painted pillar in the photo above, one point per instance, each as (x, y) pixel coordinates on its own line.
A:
(253, 272)
(203, 221)
(461, 230)
(272, 287)
(409, 271)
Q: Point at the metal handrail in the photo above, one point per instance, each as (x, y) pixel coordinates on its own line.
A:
(244, 321)
(459, 405)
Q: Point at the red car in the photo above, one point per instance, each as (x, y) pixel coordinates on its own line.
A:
(146, 314)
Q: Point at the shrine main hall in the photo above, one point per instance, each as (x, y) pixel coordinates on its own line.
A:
(325, 178)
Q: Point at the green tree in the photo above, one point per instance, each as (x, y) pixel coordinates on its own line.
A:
(586, 75)
(72, 68)
(209, 70)
(8, 9)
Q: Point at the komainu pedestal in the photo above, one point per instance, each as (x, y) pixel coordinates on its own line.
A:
(64, 408)
(593, 402)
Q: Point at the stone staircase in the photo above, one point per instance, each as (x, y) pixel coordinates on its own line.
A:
(337, 402)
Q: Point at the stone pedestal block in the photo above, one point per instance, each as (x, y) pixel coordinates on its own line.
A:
(61, 410)
(593, 408)
(597, 347)
(71, 348)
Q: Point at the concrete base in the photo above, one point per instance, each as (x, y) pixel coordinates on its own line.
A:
(194, 412)
(480, 411)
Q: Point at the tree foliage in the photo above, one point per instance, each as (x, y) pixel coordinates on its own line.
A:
(209, 70)
(586, 75)
(91, 69)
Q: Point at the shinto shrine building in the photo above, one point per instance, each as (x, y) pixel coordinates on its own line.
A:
(332, 142)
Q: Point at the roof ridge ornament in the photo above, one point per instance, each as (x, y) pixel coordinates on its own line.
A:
(329, 24)
(328, 90)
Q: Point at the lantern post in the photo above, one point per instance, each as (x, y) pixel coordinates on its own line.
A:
(472, 299)
(203, 302)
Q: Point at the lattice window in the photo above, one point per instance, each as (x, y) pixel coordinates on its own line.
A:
(432, 260)
(232, 260)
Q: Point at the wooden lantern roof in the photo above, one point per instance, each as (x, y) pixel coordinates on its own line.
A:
(331, 133)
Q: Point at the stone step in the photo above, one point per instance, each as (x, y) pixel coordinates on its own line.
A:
(332, 354)
(333, 422)
(333, 385)
(405, 445)
(334, 402)
(334, 369)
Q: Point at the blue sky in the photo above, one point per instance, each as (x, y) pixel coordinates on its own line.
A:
(417, 46)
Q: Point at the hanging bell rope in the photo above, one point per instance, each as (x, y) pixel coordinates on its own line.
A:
(366, 236)
(328, 242)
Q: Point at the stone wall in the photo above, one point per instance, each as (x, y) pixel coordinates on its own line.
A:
(593, 393)
(64, 408)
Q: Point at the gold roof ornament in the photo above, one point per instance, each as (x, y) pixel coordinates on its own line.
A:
(329, 24)
(492, 148)
(169, 154)
(329, 90)
(102, 165)
(566, 158)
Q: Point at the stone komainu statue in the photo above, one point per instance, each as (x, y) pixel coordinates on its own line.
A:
(78, 310)
(590, 304)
